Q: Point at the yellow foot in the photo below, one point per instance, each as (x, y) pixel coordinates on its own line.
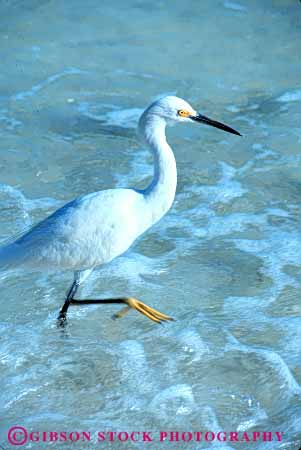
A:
(144, 309)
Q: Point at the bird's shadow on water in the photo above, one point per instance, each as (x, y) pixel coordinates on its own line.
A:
(78, 125)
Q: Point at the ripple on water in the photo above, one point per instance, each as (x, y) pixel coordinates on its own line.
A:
(225, 261)
(234, 6)
(291, 96)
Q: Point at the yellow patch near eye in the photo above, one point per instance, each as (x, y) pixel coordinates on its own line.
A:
(183, 113)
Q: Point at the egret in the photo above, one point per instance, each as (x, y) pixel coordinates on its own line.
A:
(96, 228)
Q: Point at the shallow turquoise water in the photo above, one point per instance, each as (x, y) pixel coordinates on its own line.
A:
(225, 261)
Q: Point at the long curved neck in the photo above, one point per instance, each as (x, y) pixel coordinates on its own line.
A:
(160, 194)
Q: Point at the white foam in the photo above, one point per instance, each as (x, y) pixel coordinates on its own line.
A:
(133, 266)
(209, 419)
(25, 206)
(263, 152)
(20, 396)
(192, 343)
(48, 81)
(233, 108)
(234, 6)
(134, 74)
(227, 187)
(292, 96)
(286, 382)
(135, 370)
(224, 225)
(126, 118)
(9, 122)
(219, 446)
(278, 249)
(259, 416)
(178, 397)
(20, 199)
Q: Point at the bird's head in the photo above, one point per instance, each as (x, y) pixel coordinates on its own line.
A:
(175, 109)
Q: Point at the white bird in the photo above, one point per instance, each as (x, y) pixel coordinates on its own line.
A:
(96, 228)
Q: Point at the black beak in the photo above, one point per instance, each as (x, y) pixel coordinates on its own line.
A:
(214, 123)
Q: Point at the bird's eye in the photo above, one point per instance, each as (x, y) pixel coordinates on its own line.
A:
(183, 113)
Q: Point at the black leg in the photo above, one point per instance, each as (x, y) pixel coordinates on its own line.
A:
(63, 312)
(130, 302)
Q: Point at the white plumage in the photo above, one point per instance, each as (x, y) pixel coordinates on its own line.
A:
(85, 233)
(95, 228)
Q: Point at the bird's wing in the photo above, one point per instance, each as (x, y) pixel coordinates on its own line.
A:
(88, 231)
